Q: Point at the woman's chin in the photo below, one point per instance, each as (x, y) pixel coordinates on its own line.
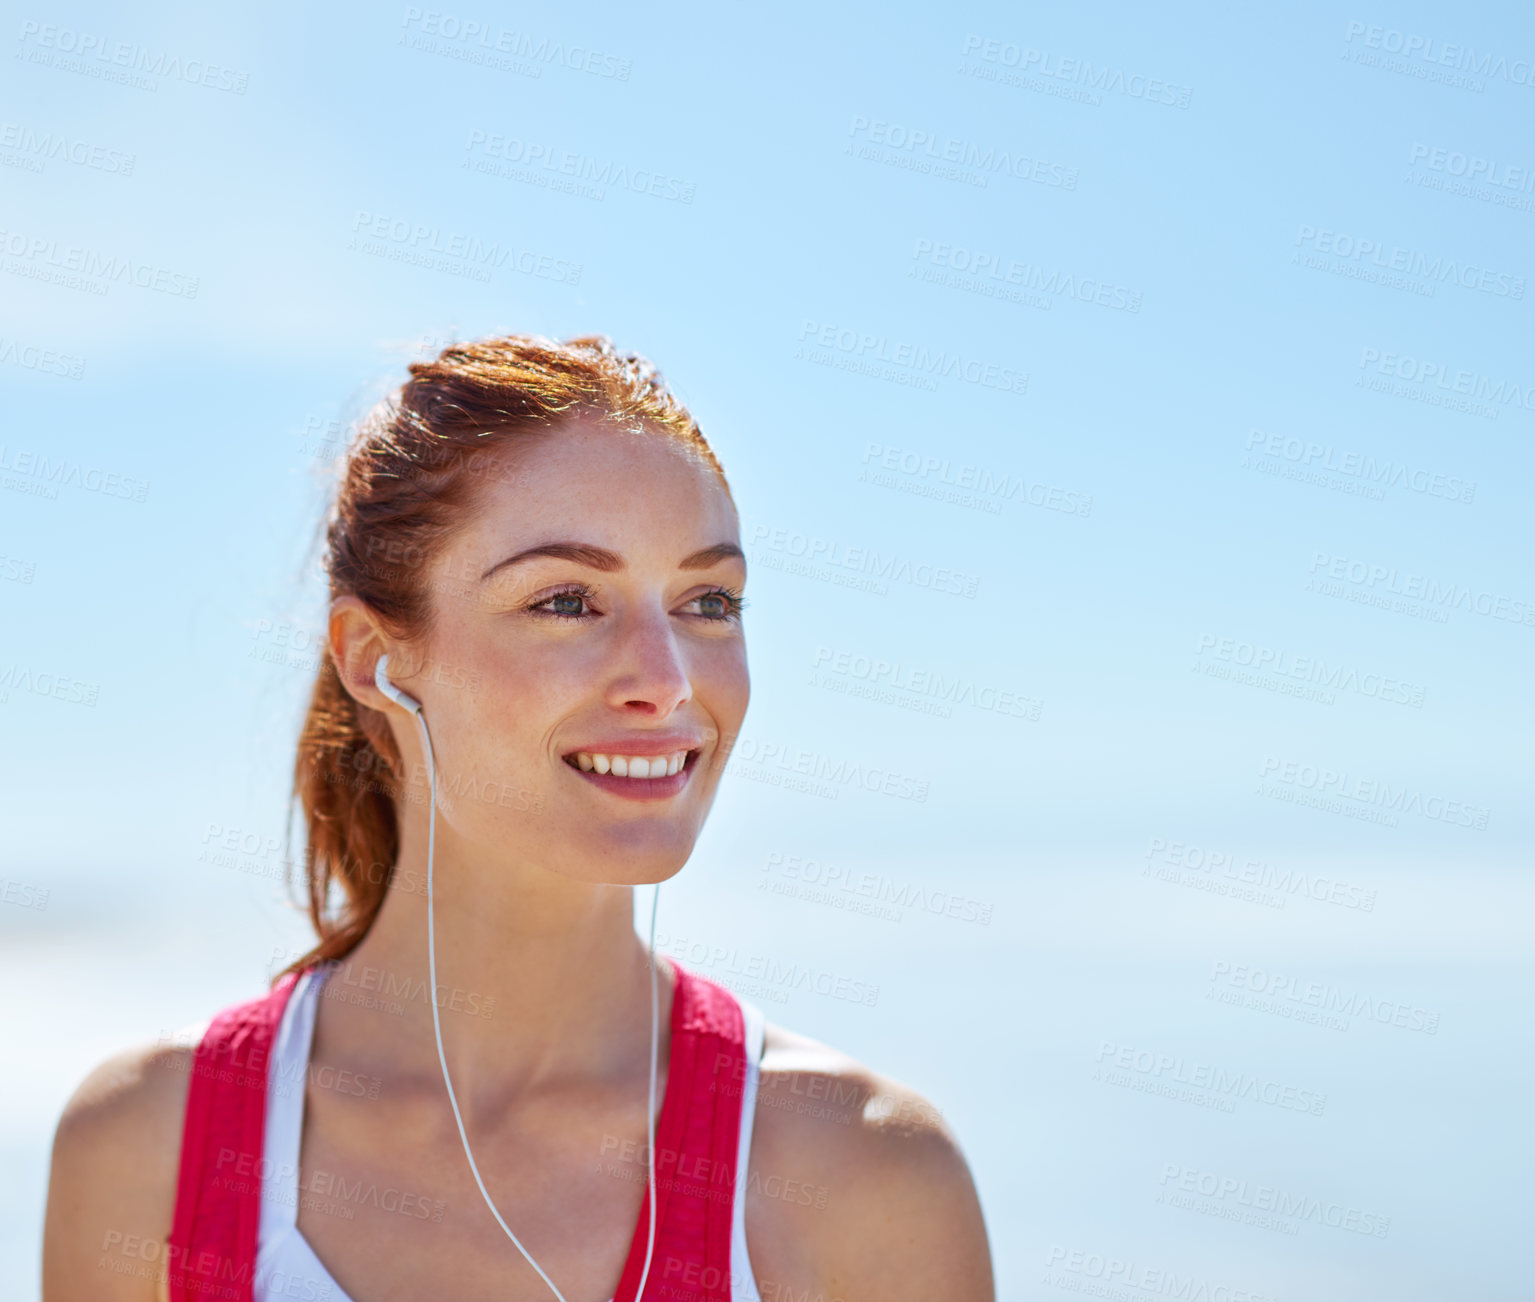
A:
(626, 860)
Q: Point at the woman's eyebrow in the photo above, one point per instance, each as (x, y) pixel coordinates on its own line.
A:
(600, 558)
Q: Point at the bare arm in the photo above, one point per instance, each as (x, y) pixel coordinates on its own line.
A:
(917, 1232)
(895, 1216)
(112, 1183)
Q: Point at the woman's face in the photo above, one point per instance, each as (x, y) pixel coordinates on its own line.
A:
(623, 643)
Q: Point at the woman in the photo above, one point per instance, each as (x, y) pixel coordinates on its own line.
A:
(541, 547)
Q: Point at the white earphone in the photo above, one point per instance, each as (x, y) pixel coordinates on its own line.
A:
(409, 703)
(402, 699)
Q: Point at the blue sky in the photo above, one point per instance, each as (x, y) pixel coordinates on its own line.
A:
(1190, 347)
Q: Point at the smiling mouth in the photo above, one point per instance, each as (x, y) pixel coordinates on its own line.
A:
(639, 768)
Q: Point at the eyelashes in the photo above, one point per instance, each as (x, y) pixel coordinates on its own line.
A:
(733, 601)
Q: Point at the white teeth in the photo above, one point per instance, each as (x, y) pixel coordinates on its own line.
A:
(632, 766)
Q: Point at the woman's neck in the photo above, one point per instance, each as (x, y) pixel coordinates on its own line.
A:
(542, 982)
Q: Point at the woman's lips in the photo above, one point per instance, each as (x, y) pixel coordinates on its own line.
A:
(639, 788)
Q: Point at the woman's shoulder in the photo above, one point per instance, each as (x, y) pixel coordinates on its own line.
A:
(112, 1178)
(868, 1174)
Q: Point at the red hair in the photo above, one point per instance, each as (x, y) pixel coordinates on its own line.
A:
(409, 480)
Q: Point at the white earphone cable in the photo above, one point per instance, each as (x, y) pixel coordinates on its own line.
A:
(431, 960)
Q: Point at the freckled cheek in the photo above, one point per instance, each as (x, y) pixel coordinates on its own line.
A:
(494, 728)
(724, 688)
(516, 711)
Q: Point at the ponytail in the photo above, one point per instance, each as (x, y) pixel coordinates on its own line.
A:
(346, 782)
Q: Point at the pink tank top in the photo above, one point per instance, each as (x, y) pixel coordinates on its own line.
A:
(211, 1252)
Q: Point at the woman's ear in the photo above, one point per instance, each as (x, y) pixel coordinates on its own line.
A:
(357, 642)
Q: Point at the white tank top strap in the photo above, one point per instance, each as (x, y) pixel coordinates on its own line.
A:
(286, 1266)
(286, 1076)
(743, 1283)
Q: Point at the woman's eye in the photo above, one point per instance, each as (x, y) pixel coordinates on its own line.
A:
(570, 609)
(717, 607)
(721, 605)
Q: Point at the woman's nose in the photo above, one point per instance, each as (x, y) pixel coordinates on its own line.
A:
(650, 671)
